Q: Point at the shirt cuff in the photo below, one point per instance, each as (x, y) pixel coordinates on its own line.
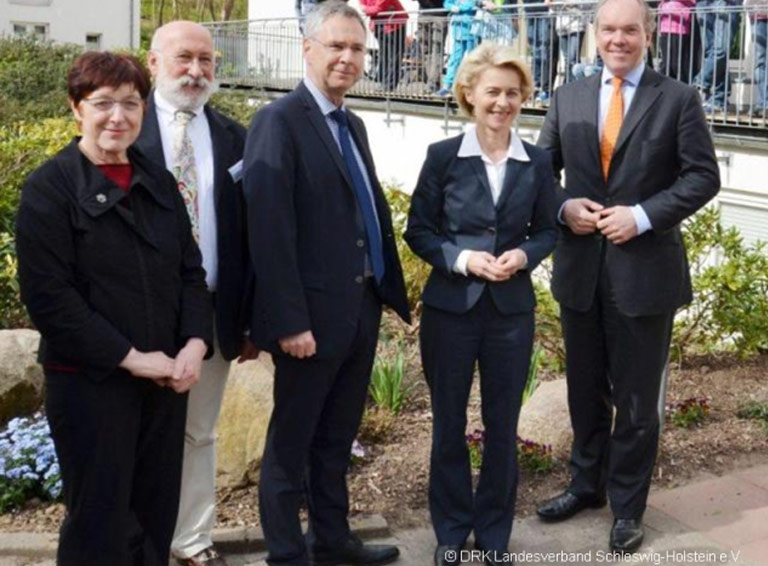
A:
(560, 214)
(642, 221)
(461, 262)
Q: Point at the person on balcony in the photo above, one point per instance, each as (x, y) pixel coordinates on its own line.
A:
(675, 38)
(570, 24)
(463, 39)
(387, 22)
(542, 44)
(719, 21)
(432, 31)
(759, 20)
(483, 216)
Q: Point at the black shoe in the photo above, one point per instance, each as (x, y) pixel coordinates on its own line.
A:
(566, 505)
(447, 555)
(626, 535)
(354, 553)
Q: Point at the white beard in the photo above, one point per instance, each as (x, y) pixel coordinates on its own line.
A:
(172, 91)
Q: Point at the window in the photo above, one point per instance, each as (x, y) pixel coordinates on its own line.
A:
(26, 29)
(93, 41)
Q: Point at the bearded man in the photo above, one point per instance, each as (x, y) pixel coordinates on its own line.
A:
(203, 149)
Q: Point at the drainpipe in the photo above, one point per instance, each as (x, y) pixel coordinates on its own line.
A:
(132, 4)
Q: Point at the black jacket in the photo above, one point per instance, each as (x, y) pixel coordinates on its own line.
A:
(234, 281)
(98, 277)
(452, 210)
(304, 218)
(664, 161)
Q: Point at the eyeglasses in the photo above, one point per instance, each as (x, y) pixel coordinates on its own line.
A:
(338, 47)
(129, 105)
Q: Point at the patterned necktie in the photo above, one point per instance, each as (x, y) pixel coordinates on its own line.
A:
(612, 125)
(375, 251)
(184, 169)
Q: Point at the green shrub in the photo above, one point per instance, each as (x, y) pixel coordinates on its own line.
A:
(240, 105)
(23, 148)
(754, 410)
(34, 79)
(415, 270)
(690, 412)
(730, 286)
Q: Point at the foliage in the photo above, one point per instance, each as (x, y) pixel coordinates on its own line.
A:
(376, 424)
(730, 281)
(534, 457)
(532, 381)
(387, 387)
(23, 147)
(415, 270)
(475, 443)
(549, 334)
(689, 412)
(34, 79)
(240, 105)
(28, 465)
(754, 410)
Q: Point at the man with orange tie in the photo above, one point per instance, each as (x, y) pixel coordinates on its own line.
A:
(638, 160)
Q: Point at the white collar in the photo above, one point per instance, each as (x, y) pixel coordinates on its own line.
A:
(326, 106)
(632, 78)
(166, 107)
(470, 146)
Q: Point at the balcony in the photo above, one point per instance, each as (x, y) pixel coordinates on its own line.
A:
(405, 66)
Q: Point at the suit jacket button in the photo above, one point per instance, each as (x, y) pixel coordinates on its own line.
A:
(361, 243)
(359, 279)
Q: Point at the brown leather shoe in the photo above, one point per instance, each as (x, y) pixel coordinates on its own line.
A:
(207, 557)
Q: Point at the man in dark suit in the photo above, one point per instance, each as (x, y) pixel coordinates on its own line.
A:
(203, 149)
(325, 263)
(638, 160)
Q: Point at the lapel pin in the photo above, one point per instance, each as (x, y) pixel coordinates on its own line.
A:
(101, 198)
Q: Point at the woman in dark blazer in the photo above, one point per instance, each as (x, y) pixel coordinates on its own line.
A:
(112, 278)
(483, 215)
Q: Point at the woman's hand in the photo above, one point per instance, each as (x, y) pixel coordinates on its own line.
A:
(485, 266)
(186, 366)
(512, 261)
(151, 365)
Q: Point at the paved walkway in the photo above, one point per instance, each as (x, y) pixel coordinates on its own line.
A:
(716, 521)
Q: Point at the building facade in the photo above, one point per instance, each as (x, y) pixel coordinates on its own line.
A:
(94, 24)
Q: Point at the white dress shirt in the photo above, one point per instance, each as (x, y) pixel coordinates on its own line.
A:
(200, 135)
(470, 147)
(628, 90)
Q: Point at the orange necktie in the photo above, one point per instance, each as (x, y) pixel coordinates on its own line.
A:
(612, 125)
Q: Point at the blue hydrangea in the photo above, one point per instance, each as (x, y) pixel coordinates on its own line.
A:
(28, 464)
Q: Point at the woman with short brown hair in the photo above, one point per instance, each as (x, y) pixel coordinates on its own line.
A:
(112, 278)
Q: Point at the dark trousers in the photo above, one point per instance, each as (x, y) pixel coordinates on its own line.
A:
(614, 361)
(391, 51)
(543, 45)
(432, 34)
(451, 345)
(676, 56)
(120, 444)
(318, 405)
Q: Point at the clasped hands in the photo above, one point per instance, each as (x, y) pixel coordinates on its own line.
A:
(486, 266)
(583, 216)
(179, 373)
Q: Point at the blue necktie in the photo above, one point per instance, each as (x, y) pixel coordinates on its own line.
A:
(364, 201)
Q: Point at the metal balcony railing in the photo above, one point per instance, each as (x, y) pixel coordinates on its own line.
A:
(720, 50)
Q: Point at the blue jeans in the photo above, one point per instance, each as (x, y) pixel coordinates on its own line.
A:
(543, 49)
(460, 48)
(570, 47)
(717, 29)
(760, 43)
